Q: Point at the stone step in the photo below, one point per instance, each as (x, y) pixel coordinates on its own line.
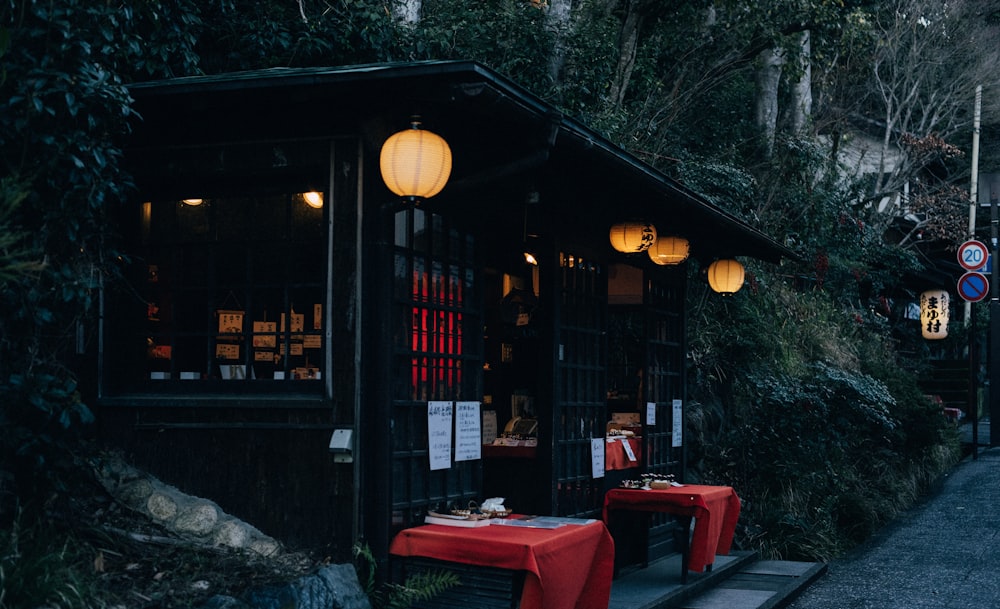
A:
(738, 581)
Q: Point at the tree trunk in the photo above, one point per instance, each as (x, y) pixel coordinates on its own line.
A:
(407, 11)
(558, 21)
(801, 104)
(628, 43)
(769, 69)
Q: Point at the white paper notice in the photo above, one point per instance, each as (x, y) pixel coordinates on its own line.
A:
(597, 457)
(628, 449)
(676, 438)
(439, 434)
(650, 413)
(468, 432)
(489, 426)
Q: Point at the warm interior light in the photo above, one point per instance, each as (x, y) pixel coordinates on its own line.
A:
(313, 199)
(415, 163)
(192, 202)
(726, 276)
(934, 313)
(530, 258)
(632, 236)
(669, 250)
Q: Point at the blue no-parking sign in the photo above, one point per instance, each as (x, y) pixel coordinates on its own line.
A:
(973, 287)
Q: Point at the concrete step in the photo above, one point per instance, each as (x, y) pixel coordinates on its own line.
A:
(764, 584)
(738, 581)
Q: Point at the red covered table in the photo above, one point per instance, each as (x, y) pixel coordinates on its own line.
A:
(715, 510)
(569, 567)
(616, 457)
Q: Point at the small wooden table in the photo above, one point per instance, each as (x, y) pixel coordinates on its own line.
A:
(569, 567)
(715, 510)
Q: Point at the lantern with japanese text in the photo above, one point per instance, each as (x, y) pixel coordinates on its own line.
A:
(726, 276)
(633, 236)
(934, 314)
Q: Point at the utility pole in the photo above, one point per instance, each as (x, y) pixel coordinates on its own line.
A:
(972, 404)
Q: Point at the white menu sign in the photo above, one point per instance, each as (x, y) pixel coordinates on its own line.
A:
(597, 462)
(678, 428)
(439, 434)
(468, 432)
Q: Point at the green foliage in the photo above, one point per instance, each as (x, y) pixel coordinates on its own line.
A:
(250, 35)
(39, 568)
(417, 587)
(63, 111)
(810, 415)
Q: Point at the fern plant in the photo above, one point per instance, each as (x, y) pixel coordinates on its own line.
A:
(417, 587)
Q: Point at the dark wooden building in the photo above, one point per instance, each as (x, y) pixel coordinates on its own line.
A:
(253, 323)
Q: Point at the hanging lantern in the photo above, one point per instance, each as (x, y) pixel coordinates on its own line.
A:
(415, 163)
(669, 250)
(632, 237)
(934, 314)
(725, 276)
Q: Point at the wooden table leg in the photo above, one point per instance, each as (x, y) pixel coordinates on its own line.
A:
(683, 539)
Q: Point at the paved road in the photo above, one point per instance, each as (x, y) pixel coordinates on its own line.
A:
(942, 554)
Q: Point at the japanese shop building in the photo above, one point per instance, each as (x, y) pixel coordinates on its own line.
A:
(280, 296)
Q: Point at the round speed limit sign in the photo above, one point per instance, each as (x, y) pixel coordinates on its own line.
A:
(972, 255)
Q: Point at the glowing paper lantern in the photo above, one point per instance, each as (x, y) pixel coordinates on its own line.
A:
(934, 314)
(669, 250)
(726, 276)
(415, 163)
(632, 236)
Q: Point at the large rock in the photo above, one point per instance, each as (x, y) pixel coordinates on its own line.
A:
(332, 587)
(190, 518)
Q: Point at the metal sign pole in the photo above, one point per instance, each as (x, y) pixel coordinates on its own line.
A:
(973, 401)
(994, 319)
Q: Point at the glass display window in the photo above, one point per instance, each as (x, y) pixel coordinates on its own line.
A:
(222, 291)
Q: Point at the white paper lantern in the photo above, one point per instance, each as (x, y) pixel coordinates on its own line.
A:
(934, 311)
(415, 163)
(669, 250)
(632, 237)
(726, 276)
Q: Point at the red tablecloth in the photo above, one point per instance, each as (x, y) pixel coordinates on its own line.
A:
(570, 567)
(615, 456)
(715, 510)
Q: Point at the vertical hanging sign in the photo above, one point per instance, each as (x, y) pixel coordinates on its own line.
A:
(439, 434)
(468, 432)
(677, 437)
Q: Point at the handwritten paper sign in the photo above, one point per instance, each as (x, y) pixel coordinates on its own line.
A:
(489, 426)
(597, 461)
(628, 449)
(650, 413)
(676, 438)
(468, 432)
(439, 434)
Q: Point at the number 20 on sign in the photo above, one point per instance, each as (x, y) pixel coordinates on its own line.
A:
(972, 255)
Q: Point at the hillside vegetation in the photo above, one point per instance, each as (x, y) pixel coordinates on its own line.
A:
(804, 386)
